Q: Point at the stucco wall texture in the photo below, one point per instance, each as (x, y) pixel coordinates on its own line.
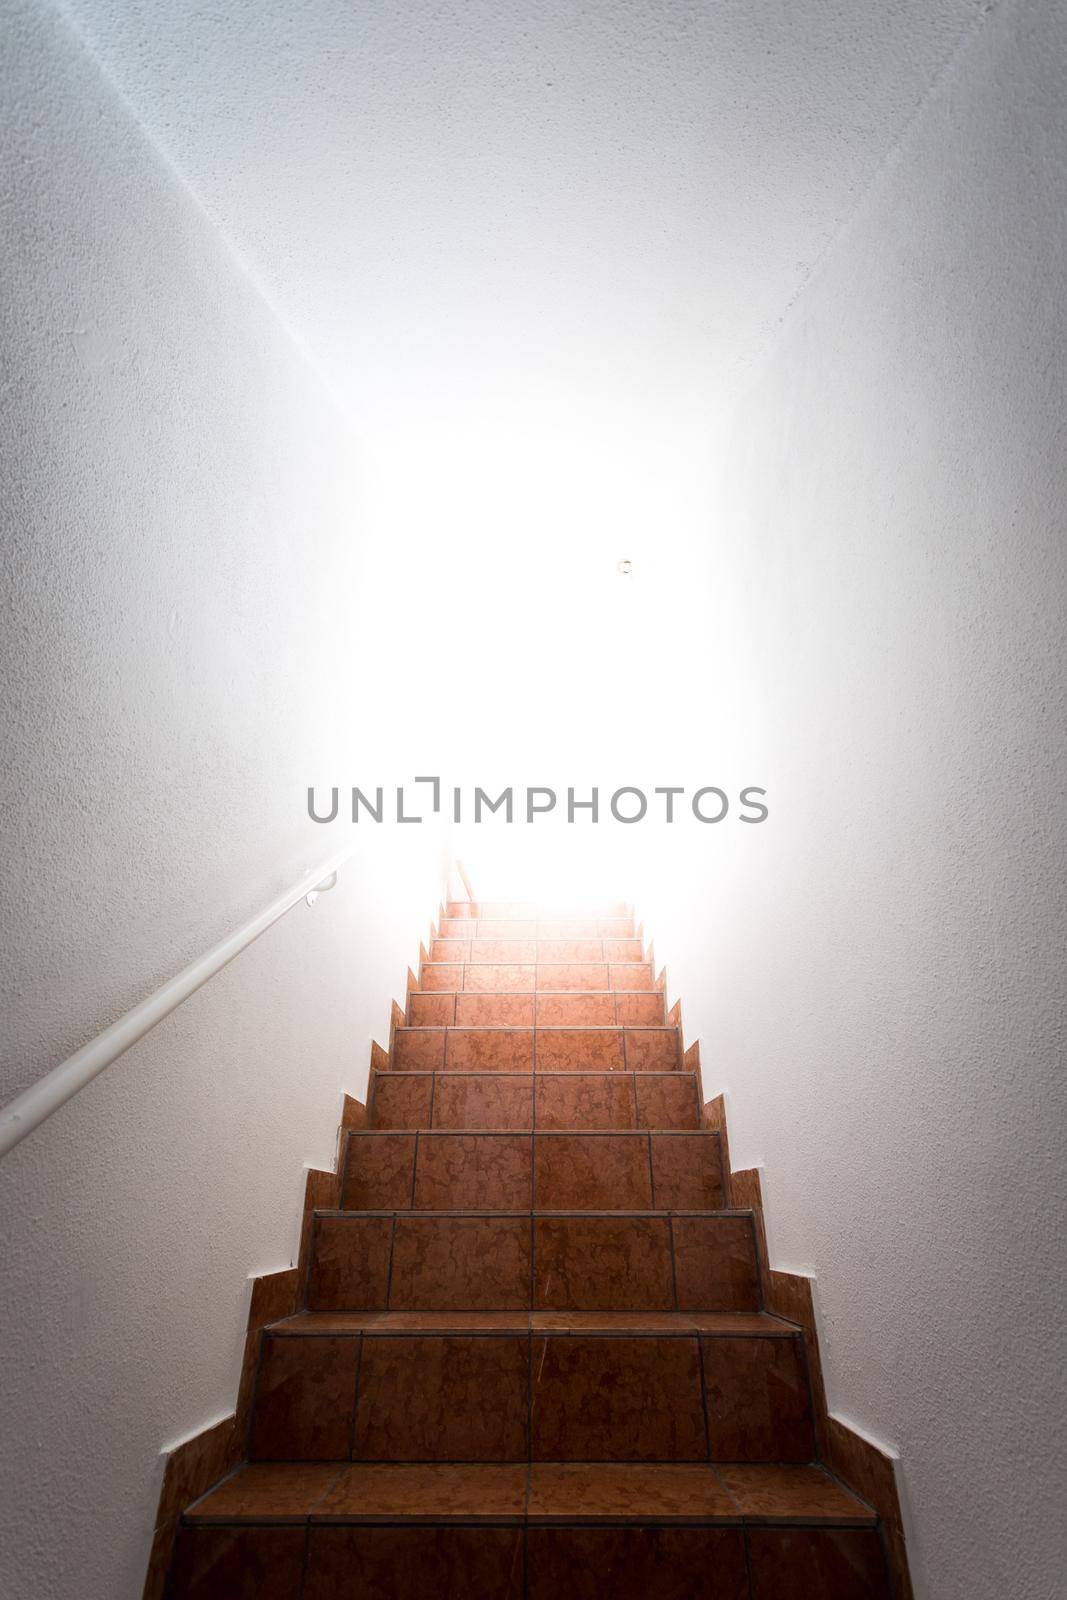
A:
(180, 506)
(877, 974)
(872, 629)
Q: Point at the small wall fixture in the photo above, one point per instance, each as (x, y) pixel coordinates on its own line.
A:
(321, 888)
(624, 568)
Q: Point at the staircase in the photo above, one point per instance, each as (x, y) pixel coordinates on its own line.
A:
(531, 1358)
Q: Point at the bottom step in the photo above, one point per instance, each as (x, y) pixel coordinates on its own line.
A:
(331, 1531)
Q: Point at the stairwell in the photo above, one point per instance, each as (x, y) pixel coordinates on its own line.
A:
(527, 1351)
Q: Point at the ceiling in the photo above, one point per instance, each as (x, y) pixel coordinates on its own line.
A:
(546, 238)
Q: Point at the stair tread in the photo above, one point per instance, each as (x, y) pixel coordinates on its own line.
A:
(708, 1134)
(581, 1213)
(685, 1323)
(339, 1491)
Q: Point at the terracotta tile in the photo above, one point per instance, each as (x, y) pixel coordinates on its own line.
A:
(629, 975)
(756, 1323)
(274, 1295)
(461, 1263)
(567, 950)
(159, 1560)
(400, 1101)
(419, 1050)
(450, 950)
(492, 979)
(193, 1466)
(667, 1100)
(490, 1050)
(623, 950)
(576, 1010)
(509, 910)
(572, 1492)
(686, 1172)
(715, 1264)
(636, 1399)
(506, 949)
(457, 928)
(612, 1322)
(350, 1263)
(353, 1114)
(569, 928)
(576, 1100)
(379, 1172)
(490, 928)
(374, 1563)
(792, 1494)
(431, 1010)
(267, 1491)
(639, 1010)
(495, 1010)
(652, 1049)
(405, 1322)
(816, 1564)
(579, 1050)
(759, 1407)
(246, 1384)
(322, 1191)
(461, 909)
(473, 1172)
(592, 1172)
(615, 927)
(237, 1564)
(602, 1264)
(644, 1563)
(867, 1472)
(446, 976)
(384, 1492)
(571, 976)
(490, 1100)
(864, 1468)
(443, 1398)
(305, 1394)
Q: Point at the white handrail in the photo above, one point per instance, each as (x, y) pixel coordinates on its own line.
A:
(29, 1109)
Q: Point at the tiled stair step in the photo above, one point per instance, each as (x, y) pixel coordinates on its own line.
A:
(539, 951)
(712, 1324)
(526, 977)
(546, 1395)
(536, 1049)
(642, 1008)
(323, 1531)
(462, 1261)
(566, 1100)
(547, 1171)
(556, 928)
(530, 911)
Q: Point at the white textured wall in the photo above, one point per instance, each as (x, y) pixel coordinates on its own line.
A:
(877, 973)
(180, 652)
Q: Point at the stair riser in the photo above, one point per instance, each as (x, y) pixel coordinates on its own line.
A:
(532, 1171)
(638, 1561)
(557, 952)
(528, 977)
(536, 1050)
(472, 1101)
(645, 1009)
(558, 928)
(517, 1397)
(529, 911)
(409, 1262)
